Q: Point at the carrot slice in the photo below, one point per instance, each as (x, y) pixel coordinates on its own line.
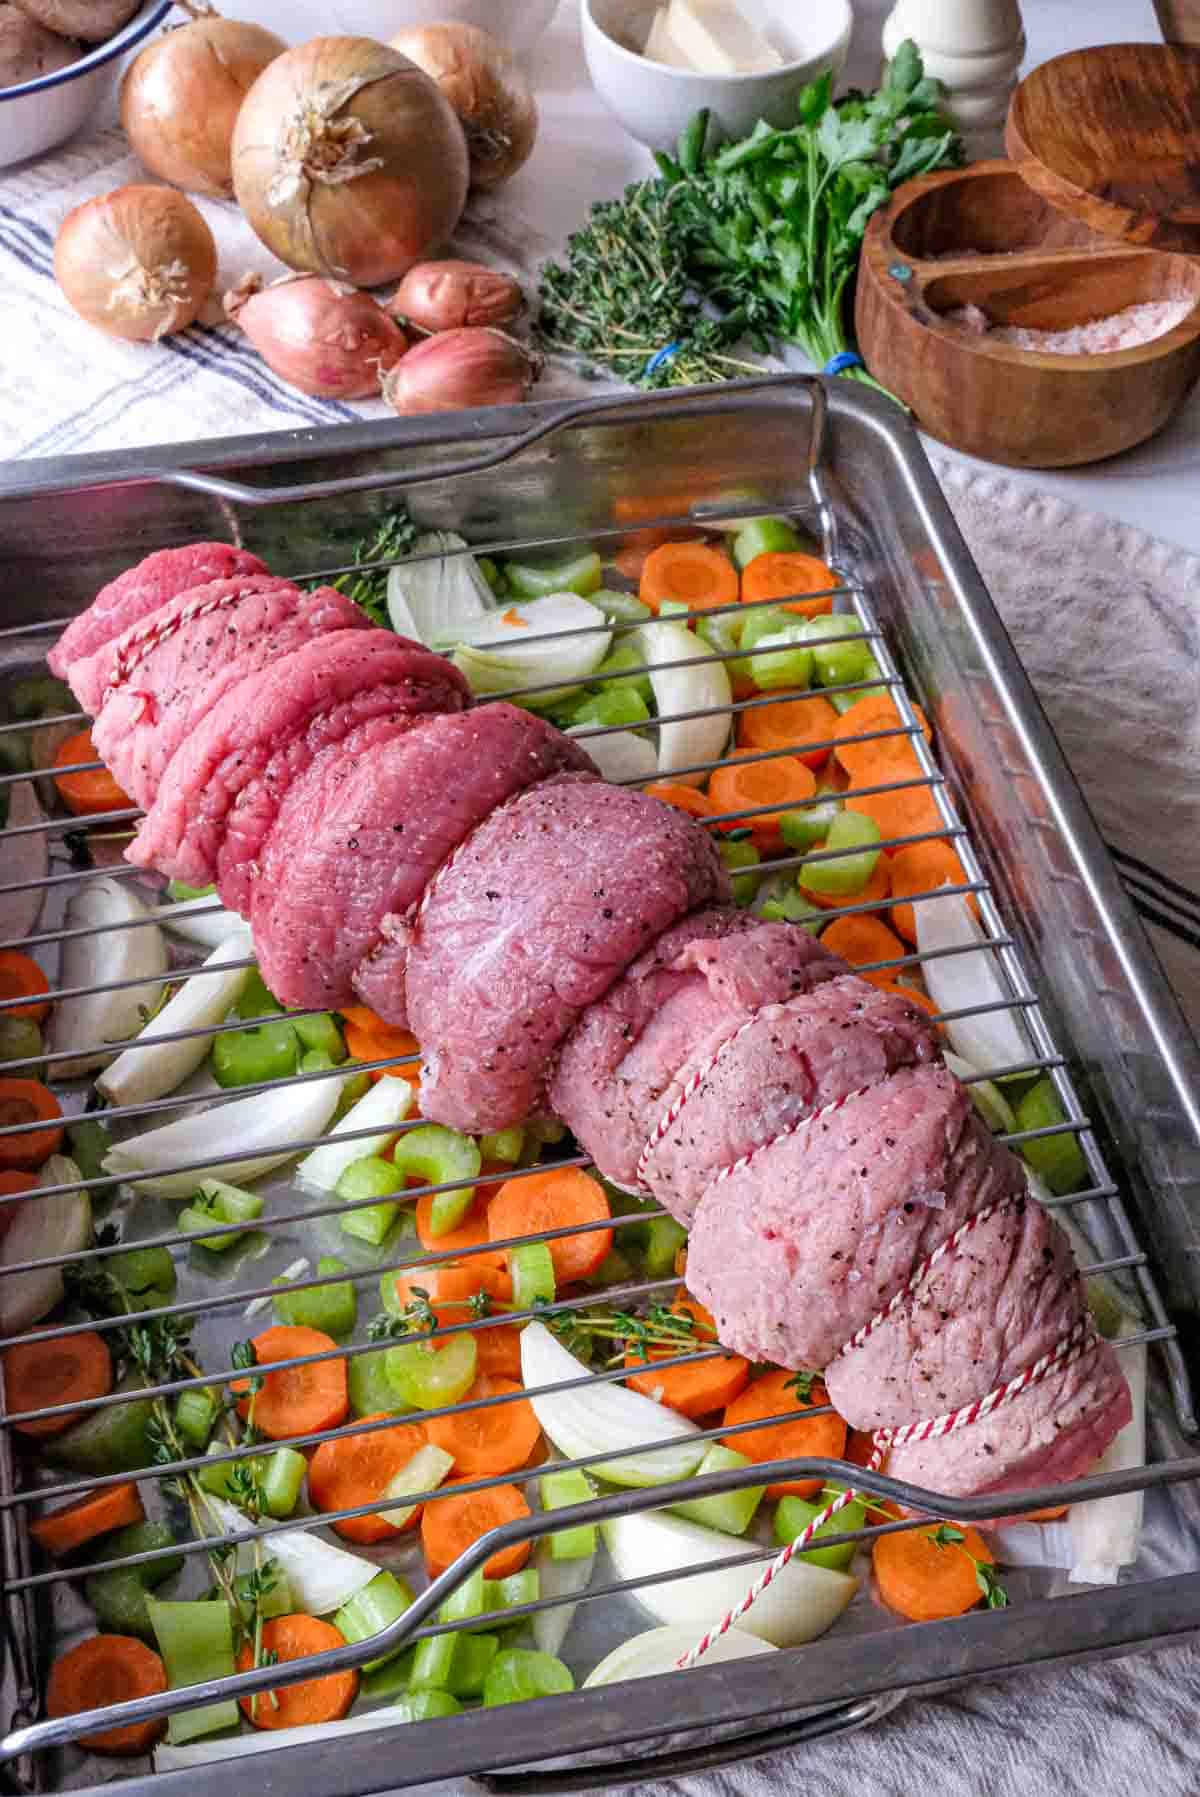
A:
(880, 758)
(792, 721)
(924, 1581)
(455, 1283)
(861, 940)
(383, 1044)
(89, 792)
(553, 1199)
(13, 1184)
(923, 867)
(21, 977)
(781, 574)
(873, 893)
(684, 798)
(472, 1232)
(29, 1101)
(497, 1439)
(742, 785)
(691, 574)
(498, 1351)
(325, 1699)
(296, 1400)
(913, 994)
(908, 812)
(55, 1372)
(701, 1387)
(450, 1524)
(77, 1523)
(798, 1432)
(102, 1670)
(357, 1469)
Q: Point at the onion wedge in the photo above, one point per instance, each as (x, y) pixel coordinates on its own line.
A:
(321, 1577)
(438, 600)
(59, 1224)
(26, 864)
(387, 1103)
(203, 1001)
(595, 1419)
(538, 641)
(660, 1650)
(624, 758)
(560, 1579)
(258, 1130)
(700, 687)
(123, 946)
(992, 1038)
(1105, 1533)
(204, 920)
(801, 1603)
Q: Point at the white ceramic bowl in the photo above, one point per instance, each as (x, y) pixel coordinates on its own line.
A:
(655, 103)
(36, 115)
(517, 24)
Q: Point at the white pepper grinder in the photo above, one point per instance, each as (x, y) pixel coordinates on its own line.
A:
(975, 48)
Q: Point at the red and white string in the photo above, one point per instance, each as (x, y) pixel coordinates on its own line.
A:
(149, 636)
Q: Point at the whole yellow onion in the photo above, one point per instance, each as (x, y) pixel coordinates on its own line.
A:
(181, 97)
(348, 161)
(486, 89)
(139, 262)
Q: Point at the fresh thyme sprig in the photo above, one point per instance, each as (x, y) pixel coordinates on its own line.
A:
(802, 1384)
(392, 539)
(986, 1576)
(660, 1327)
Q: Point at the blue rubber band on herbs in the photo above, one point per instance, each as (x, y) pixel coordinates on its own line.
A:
(661, 356)
(846, 358)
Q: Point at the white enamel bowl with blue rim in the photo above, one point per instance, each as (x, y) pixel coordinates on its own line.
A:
(36, 115)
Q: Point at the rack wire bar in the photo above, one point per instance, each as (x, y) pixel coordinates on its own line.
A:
(217, 1308)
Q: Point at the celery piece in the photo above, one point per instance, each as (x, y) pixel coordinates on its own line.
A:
(280, 1478)
(195, 1413)
(473, 1657)
(614, 1269)
(764, 536)
(147, 1276)
(315, 1060)
(857, 837)
(390, 1677)
(427, 1374)
(837, 663)
(195, 1641)
(520, 1673)
(760, 621)
(661, 1242)
(731, 1512)
(782, 659)
(353, 1087)
(674, 608)
(256, 999)
(268, 1591)
(331, 1308)
(610, 708)
(436, 1155)
(433, 1663)
(558, 1490)
(37, 696)
(532, 1268)
(424, 1706)
(16, 753)
(793, 1515)
(369, 1388)
(871, 671)
(112, 1440)
(491, 572)
(179, 892)
(740, 854)
(251, 1057)
(621, 609)
(808, 825)
(319, 1034)
(89, 1142)
(524, 1587)
(118, 1596)
(373, 1609)
(615, 673)
(505, 1145)
(370, 1177)
(1058, 1159)
(465, 1602)
(426, 1470)
(216, 1478)
(537, 576)
(721, 634)
(215, 1202)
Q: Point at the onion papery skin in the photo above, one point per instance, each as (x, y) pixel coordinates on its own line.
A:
(181, 96)
(138, 262)
(348, 161)
(487, 90)
(323, 338)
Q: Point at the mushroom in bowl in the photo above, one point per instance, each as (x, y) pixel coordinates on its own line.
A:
(52, 81)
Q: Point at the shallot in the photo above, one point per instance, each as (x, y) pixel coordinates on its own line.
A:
(486, 89)
(323, 337)
(348, 161)
(139, 262)
(475, 366)
(443, 296)
(181, 96)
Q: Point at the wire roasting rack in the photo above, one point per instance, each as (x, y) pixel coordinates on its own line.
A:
(1092, 1004)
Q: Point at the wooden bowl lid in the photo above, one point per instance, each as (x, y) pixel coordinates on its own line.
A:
(1112, 136)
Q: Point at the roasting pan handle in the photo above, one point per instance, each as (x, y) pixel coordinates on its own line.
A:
(844, 1719)
(620, 408)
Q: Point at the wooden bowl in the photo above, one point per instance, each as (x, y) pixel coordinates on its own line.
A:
(980, 237)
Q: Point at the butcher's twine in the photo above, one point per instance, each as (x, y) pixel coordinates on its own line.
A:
(142, 641)
(1080, 1340)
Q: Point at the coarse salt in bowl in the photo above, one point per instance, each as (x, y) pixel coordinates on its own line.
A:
(655, 103)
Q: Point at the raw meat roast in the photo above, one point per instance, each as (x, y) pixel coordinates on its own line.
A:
(558, 942)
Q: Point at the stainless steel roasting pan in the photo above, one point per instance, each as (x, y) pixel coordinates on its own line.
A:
(1078, 970)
